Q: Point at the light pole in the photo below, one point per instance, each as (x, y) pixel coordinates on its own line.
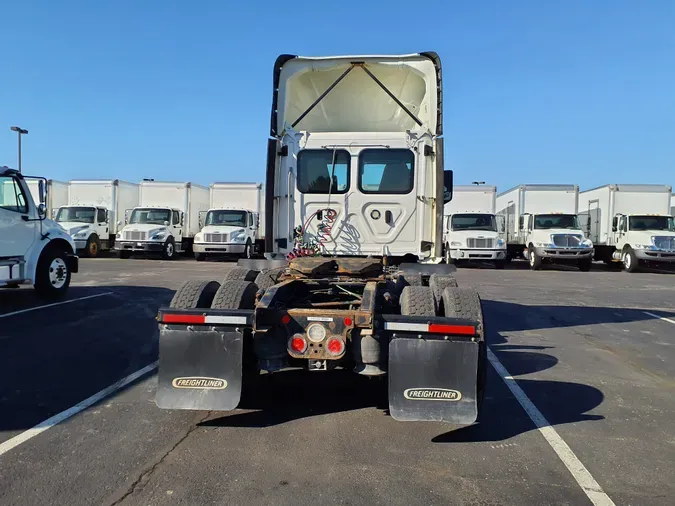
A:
(20, 131)
(478, 182)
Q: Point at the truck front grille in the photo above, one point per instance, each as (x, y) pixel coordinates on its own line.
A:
(134, 236)
(215, 237)
(474, 242)
(665, 243)
(566, 240)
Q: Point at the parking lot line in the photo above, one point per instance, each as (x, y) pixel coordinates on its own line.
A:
(53, 304)
(584, 478)
(659, 317)
(64, 415)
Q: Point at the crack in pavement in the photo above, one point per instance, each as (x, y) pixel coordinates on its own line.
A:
(140, 482)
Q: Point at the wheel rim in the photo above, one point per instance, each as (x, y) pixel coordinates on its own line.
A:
(447, 255)
(58, 273)
(248, 251)
(531, 254)
(169, 249)
(627, 260)
(93, 248)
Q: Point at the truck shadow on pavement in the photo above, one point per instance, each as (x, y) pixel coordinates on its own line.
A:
(52, 358)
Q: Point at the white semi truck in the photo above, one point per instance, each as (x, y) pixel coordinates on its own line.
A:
(56, 194)
(165, 221)
(233, 224)
(471, 229)
(33, 249)
(354, 275)
(542, 225)
(630, 224)
(93, 211)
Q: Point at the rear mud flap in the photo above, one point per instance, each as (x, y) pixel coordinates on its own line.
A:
(433, 380)
(200, 369)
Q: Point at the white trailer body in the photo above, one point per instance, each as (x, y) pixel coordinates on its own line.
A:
(234, 222)
(56, 194)
(33, 249)
(630, 223)
(471, 230)
(542, 225)
(94, 209)
(166, 219)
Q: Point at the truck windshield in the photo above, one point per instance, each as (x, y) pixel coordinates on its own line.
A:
(547, 221)
(651, 223)
(474, 222)
(76, 214)
(227, 218)
(153, 216)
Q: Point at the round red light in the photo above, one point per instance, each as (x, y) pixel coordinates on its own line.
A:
(348, 321)
(335, 346)
(286, 319)
(298, 344)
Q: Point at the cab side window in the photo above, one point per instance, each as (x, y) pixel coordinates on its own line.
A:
(176, 218)
(12, 197)
(100, 216)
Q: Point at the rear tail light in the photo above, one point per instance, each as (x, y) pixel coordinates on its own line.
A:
(335, 346)
(297, 344)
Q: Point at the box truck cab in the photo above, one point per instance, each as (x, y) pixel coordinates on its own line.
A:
(33, 249)
(232, 225)
(471, 229)
(542, 225)
(165, 221)
(92, 212)
(630, 224)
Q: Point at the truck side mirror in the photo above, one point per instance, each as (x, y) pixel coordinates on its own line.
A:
(42, 210)
(615, 222)
(41, 192)
(501, 224)
(182, 218)
(54, 211)
(200, 220)
(447, 186)
(126, 216)
(107, 216)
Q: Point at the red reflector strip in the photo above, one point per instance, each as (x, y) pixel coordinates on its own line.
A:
(464, 330)
(183, 318)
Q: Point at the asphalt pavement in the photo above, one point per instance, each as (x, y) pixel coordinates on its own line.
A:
(593, 353)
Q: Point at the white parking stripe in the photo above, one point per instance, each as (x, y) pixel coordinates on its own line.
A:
(64, 415)
(53, 304)
(587, 483)
(659, 317)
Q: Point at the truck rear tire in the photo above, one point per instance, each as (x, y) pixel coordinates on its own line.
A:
(438, 283)
(241, 274)
(466, 303)
(500, 264)
(200, 257)
(93, 246)
(124, 255)
(417, 301)
(268, 278)
(194, 294)
(52, 275)
(169, 251)
(535, 260)
(235, 294)
(248, 250)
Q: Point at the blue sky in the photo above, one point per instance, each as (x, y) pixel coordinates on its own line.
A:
(578, 91)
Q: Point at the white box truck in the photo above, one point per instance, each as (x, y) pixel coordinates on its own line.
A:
(470, 227)
(165, 221)
(56, 194)
(93, 210)
(33, 249)
(541, 225)
(630, 224)
(234, 222)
